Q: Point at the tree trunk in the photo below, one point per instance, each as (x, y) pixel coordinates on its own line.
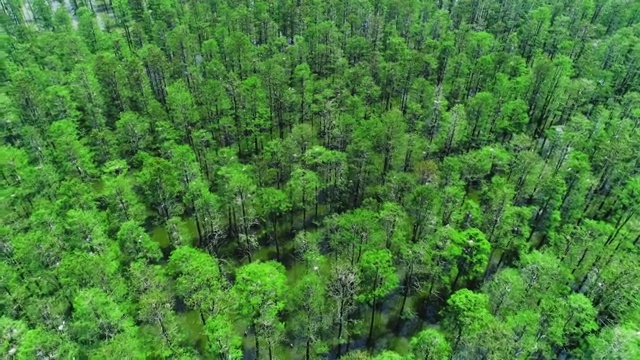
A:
(619, 225)
(163, 330)
(316, 204)
(255, 336)
(198, 226)
(584, 254)
(405, 294)
(433, 282)
(504, 251)
(486, 271)
(373, 313)
(304, 212)
(455, 281)
(458, 338)
(340, 324)
(275, 238)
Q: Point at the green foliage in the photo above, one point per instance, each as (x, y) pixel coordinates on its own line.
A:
(198, 279)
(377, 271)
(40, 342)
(310, 308)
(127, 344)
(135, 243)
(614, 343)
(173, 173)
(223, 341)
(466, 314)
(388, 355)
(430, 344)
(97, 317)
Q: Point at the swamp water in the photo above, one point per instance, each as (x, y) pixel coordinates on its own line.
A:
(387, 335)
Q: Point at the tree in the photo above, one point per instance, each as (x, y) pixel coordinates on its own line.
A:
(80, 270)
(272, 205)
(562, 320)
(155, 65)
(419, 261)
(352, 234)
(254, 114)
(617, 342)
(430, 344)
(357, 355)
(70, 155)
(85, 91)
(466, 314)
(132, 133)
(42, 14)
(544, 276)
(303, 189)
(525, 327)
(311, 321)
(40, 342)
(470, 250)
(111, 77)
(122, 13)
(160, 186)
(135, 243)
(377, 270)
(126, 344)
(223, 342)
(452, 133)
(182, 110)
(506, 292)
(97, 317)
(388, 355)
(511, 233)
(88, 29)
(580, 318)
(305, 88)
(149, 287)
(395, 223)
(198, 280)
(15, 330)
(262, 287)
(207, 211)
(495, 339)
(240, 191)
(122, 203)
(343, 287)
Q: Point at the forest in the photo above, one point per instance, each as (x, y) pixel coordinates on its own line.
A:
(320, 179)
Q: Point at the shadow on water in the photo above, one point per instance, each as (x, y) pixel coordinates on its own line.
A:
(193, 329)
(387, 335)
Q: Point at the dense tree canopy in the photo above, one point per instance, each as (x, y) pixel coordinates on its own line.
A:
(388, 179)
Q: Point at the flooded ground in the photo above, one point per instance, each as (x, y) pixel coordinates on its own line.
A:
(387, 332)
